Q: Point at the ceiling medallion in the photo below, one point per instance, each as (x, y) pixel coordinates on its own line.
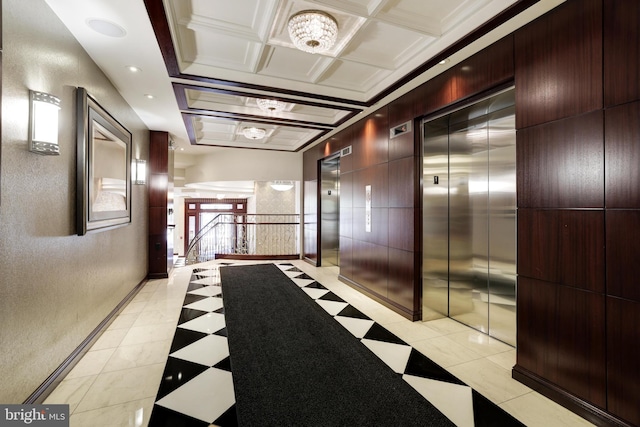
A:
(270, 105)
(254, 133)
(313, 31)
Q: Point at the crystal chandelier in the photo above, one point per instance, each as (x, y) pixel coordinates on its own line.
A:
(254, 133)
(313, 31)
(270, 105)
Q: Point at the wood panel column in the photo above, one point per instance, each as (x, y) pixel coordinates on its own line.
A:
(160, 262)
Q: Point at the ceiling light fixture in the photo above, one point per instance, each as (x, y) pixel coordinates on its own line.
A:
(282, 185)
(313, 31)
(254, 133)
(106, 28)
(270, 105)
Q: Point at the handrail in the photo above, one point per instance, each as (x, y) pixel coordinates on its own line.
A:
(246, 236)
(203, 231)
(191, 255)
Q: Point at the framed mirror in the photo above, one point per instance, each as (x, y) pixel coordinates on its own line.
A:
(103, 168)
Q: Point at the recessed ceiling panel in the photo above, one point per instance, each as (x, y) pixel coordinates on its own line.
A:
(353, 75)
(385, 46)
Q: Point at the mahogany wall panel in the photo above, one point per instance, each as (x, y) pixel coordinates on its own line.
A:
(346, 257)
(346, 222)
(434, 94)
(537, 338)
(371, 266)
(561, 164)
(622, 154)
(346, 190)
(371, 140)
(402, 278)
(376, 176)
(379, 233)
(562, 246)
(402, 109)
(559, 64)
(310, 221)
(403, 182)
(403, 145)
(402, 229)
(582, 344)
(558, 342)
(621, 41)
(489, 68)
(623, 353)
(160, 262)
(158, 152)
(310, 164)
(623, 247)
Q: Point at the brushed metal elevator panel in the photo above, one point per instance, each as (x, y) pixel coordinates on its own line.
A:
(469, 217)
(330, 211)
(435, 221)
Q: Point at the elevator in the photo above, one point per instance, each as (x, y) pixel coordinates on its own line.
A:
(330, 211)
(469, 216)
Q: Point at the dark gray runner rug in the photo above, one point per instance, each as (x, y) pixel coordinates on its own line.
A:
(294, 365)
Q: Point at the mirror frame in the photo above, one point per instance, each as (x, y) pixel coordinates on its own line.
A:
(90, 115)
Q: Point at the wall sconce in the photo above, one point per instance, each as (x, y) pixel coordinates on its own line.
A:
(43, 123)
(139, 171)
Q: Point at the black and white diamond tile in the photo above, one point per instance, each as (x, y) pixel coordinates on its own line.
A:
(197, 386)
(456, 400)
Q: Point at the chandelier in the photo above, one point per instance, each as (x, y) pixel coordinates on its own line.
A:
(313, 31)
(270, 105)
(254, 133)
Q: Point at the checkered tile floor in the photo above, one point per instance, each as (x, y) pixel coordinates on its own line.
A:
(197, 384)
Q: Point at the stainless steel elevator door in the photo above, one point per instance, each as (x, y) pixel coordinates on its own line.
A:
(330, 211)
(469, 229)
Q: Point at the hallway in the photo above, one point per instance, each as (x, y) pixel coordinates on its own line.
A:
(116, 383)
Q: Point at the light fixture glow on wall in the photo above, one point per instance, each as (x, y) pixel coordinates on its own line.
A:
(313, 31)
(282, 185)
(43, 123)
(139, 171)
(270, 105)
(254, 133)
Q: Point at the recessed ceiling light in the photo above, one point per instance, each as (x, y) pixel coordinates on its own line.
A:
(133, 68)
(106, 28)
(444, 61)
(149, 96)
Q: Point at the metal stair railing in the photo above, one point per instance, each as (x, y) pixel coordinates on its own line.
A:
(247, 236)
(200, 248)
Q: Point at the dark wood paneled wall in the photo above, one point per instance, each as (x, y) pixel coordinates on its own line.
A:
(577, 77)
(578, 151)
(386, 262)
(158, 188)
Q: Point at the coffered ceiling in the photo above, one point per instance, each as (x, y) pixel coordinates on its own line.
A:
(206, 62)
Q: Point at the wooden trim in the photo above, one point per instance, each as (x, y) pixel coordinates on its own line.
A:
(589, 412)
(186, 117)
(159, 22)
(45, 389)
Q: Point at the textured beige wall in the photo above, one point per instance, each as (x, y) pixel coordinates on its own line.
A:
(55, 286)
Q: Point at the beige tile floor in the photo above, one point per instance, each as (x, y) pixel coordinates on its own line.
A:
(116, 381)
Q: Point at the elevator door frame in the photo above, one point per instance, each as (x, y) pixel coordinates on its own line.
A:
(329, 204)
(436, 289)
